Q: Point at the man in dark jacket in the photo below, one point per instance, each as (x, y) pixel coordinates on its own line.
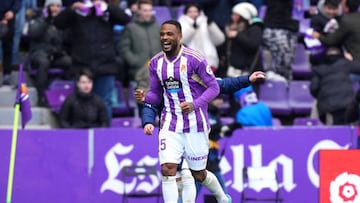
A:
(92, 44)
(331, 86)
(47, 46)
(8, 10)
(325, 22)
(348, 33)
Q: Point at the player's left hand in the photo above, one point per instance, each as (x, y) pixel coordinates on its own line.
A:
(257, 75)
(139, 95)
(187, 107)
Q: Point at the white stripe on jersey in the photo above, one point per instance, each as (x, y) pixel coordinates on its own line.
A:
(166, 106)
(187, 93)
(175, 99)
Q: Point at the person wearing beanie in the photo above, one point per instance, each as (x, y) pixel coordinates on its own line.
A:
(8, 10)
(47, 46)
(243, 40)
(252, 112)
(51, 2)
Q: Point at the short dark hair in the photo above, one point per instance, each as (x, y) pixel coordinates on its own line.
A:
(84, 72)
(140, 2)
(189, 5)
(173, 22)
(353, 5)
(332, 3)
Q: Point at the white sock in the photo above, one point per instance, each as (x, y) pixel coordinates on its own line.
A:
(188, 184)
(213, 185)
(169, 189)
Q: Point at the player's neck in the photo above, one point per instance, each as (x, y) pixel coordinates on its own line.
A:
(174, 54)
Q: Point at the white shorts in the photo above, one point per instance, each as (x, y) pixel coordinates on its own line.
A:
(193, 146)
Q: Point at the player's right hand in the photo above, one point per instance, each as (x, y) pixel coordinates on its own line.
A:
(148, 129)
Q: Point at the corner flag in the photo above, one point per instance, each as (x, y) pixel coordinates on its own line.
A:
(23, 99)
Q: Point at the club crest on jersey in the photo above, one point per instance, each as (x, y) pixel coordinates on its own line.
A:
(173, 85)
(209, 70)
(182, 67)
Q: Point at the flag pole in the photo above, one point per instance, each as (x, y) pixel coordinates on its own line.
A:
(13, 152)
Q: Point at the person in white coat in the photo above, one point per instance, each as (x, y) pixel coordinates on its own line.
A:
(201, 34)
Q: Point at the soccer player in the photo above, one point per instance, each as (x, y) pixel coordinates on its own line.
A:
(184, 127)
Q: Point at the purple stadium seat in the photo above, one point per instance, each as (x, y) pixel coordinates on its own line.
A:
(276, 122)
(301, 64)
(307, 122)
(227, 120)
(126, 122)
(55, 98)
(180, 11)
(356, 87)
(61, 84)
(162, 14)
(122, 107)
(275, 95)
(262, 12)
(300, 99)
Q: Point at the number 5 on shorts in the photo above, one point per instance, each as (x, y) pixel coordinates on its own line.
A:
(162, 144)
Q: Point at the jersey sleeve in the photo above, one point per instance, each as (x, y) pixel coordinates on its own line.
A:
(154, 95)
(203, 70)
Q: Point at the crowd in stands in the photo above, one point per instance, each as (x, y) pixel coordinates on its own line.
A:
(98, 43)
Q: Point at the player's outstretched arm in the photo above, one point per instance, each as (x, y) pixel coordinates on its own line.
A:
(229, 85)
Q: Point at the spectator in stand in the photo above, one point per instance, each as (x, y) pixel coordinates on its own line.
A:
(333, 89)
(46, 46)
(252, 112)
(280, 38)
(348, 34)
(139, 42)
(244, 38)
(212, 8)
(92, 43)
(8, 10)
(325, 22)
(201, 34)
(83, 109)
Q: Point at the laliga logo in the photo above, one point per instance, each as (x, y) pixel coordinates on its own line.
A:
(345, 189)
(114, 167)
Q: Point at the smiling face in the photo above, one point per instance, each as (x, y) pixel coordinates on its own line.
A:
(170, 37)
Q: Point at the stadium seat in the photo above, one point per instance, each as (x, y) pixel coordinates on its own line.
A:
(162, 14)
(275, 95)
(307, 122)
(55, 98)
(126, 122)
(121, 106)
(61, 84)
(300, 99)
(276, 122)
(301, 64)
